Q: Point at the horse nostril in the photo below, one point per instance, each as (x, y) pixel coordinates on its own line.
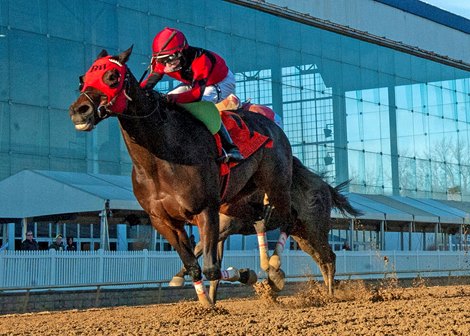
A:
(83, 109)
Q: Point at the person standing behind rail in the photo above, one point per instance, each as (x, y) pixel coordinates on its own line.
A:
(57, 245)
(29, 244)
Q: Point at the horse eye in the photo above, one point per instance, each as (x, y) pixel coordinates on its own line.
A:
(114, 78)
(80, 83)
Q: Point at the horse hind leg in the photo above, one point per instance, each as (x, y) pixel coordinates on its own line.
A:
(276, 276)
(324, 257)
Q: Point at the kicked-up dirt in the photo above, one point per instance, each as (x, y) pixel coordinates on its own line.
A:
(356, 309)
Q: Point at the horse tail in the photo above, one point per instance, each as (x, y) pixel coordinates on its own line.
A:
(311, 197)
(309, 188)
(341, 202)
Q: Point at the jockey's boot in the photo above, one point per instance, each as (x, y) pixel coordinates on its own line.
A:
(231, 151)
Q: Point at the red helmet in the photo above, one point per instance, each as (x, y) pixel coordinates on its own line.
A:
(169, 41)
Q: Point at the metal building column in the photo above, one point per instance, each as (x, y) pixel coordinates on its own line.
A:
(382, 235)
(460, 246)
(340, 134)
(153, 240)
(122, 243)
(276, 87)
(351, 234)
(11, 236)
(392, 116)
(104, 229)
(410, 240)
(24, 228)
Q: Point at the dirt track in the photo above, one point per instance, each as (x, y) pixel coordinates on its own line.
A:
(385, 309)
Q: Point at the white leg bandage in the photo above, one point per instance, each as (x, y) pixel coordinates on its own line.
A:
(230, 274)
(281, 243)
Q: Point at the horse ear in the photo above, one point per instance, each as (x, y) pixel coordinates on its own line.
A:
(102, 53)
(124, 56)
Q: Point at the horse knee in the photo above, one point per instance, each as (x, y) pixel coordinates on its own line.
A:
(212, 273)
(195, 273)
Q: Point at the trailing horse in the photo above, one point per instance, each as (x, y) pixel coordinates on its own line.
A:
(175, 173)
(312, 201)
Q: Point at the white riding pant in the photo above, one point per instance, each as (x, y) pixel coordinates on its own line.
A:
(214, 93)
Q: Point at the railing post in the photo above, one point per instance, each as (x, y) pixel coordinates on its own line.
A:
(146, 264)
(101, 267)
(53, 259)
(2, 268)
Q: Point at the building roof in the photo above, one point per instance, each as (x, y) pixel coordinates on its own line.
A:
(431, 12)
(36, 193)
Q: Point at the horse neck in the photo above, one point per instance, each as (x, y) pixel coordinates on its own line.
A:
(150, 125)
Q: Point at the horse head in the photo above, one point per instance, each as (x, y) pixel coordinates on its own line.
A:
(102, 91)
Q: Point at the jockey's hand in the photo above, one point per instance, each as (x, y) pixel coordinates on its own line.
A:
(171, 98)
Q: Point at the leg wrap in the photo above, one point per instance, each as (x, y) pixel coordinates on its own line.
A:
(262, 243)
(281, 243)
(230, 274)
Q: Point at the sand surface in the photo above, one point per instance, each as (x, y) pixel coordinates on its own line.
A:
(356, 309)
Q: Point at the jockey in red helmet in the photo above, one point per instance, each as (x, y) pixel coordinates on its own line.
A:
(203, 73)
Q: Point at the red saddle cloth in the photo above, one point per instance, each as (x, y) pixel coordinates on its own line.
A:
(248, 141)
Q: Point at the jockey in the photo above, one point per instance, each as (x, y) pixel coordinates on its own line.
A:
(203, 73)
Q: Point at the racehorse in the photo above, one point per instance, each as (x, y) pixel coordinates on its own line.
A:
(312, 201)
(175, 173)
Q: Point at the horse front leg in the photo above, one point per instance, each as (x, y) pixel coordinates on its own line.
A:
(208, 223)
(175, 234)
(178, 278)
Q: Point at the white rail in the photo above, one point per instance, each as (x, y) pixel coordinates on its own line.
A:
(41, 269)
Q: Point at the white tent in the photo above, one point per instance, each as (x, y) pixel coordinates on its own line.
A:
(33, 193)
(38, 194)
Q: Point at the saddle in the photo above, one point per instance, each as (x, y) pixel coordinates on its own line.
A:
(247, 141)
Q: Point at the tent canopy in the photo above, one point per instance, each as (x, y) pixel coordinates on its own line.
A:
(33, 193)
(39, 193)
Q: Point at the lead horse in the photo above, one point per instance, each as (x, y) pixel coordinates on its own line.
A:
(312, 201)
(175, 173)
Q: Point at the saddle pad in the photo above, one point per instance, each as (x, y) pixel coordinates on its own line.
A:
(248, 141)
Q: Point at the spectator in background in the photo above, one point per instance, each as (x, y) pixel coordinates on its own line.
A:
(71, 246)
(57, 245)
(29, 244)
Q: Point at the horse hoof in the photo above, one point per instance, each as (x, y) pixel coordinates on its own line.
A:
(275, 262)
(248, 277)
(276, 279)
(176, 282)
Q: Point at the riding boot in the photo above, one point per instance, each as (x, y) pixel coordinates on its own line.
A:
(231, 151)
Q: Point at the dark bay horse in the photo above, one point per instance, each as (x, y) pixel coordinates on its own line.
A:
(175, 173)
(312, 201)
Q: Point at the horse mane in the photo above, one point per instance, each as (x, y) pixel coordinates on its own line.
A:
(151, 121)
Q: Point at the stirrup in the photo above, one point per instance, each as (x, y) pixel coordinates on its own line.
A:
(232, 155)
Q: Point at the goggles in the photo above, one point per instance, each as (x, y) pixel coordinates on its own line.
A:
(163, 59)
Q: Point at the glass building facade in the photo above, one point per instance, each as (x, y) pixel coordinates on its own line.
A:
(392, 122)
